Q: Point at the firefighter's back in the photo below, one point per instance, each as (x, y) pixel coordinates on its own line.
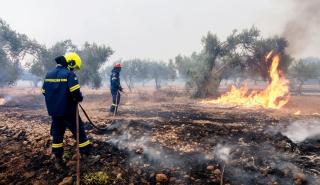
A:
(56, 91)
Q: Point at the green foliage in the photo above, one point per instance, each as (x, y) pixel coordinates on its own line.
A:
(96, 178)
(44, 61)
(257, 65)
(15, 44)
(305, 69)
(242, 52)
(302, 70)
(138, 70)
(9, 71)
(133, 70)
(93, 57)
(192, 69)
(159, 71)
(13, 47)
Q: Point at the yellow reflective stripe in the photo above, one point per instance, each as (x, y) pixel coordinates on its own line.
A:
(43, 91)
(73, 88)
(114, 105)
(84, 144)
(113, 78)
(59, 145)
(56, 80)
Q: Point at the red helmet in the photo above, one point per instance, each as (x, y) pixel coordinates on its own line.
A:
(117, 65)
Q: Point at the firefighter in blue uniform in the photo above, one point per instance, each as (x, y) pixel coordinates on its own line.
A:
(115, 87)
(62, 95)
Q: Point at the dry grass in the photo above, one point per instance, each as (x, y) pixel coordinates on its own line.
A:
(97, 100)
(304, 104)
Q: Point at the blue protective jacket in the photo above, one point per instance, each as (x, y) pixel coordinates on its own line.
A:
(115, 85)
(62, 91)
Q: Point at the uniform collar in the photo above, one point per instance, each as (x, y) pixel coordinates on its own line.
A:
(115, 70)
(61, 66)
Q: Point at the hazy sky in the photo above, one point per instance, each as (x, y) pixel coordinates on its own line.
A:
(156, 29)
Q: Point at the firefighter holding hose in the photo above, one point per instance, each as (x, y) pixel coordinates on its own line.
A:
(115, 87)
(62, 95)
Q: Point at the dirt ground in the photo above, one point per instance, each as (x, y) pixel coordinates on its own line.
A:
(165, 138)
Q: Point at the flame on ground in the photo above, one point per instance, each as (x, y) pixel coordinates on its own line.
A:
(2, 101)
(274, 96)
(297, 113)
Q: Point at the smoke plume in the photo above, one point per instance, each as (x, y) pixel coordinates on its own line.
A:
(300, 130)
(223, 153)
(302, 28)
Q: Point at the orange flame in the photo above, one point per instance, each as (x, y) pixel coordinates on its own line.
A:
(297, 113)
(2, 101)
(274, 96)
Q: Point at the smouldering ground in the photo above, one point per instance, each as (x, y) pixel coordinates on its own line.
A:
(169, 140)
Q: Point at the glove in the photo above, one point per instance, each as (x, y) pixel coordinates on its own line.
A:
(77, 96)
(121, 89)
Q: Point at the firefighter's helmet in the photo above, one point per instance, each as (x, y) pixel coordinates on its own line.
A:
(117, 65)
(73, 60)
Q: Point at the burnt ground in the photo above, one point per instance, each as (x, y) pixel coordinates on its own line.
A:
(173, 142)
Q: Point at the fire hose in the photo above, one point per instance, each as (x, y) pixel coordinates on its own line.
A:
(91, 123)
(77, 137)
(78, 148)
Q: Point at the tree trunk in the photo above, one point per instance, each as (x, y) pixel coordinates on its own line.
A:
(128, 85)
(131, 83)
(209, 87)
(158, 83)
(35, 82)
(300, 88)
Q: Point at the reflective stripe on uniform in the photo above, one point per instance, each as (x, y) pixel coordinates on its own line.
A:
(75, 87)
(59, 145)
(43, 91)
(56, 80)
(84, 144)
(114, 105)
(113, 78)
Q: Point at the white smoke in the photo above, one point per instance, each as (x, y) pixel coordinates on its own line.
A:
(142, 144)
(223, 153)
(301, 130)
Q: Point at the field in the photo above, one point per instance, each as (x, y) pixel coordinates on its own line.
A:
(165, 137)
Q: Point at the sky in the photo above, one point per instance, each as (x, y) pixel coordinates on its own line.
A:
(149, 29)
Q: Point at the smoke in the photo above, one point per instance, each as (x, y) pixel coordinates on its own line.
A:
(301, 130)
(141, 145)
(243, 164)
(223, 153)
(302, 28)
(118, 125)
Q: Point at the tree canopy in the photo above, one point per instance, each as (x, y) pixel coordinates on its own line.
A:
(13, 47)
(93, 57)
(138, 70)
(303, 70)
(241, 51)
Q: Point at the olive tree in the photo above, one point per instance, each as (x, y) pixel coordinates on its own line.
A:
(244, 51)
